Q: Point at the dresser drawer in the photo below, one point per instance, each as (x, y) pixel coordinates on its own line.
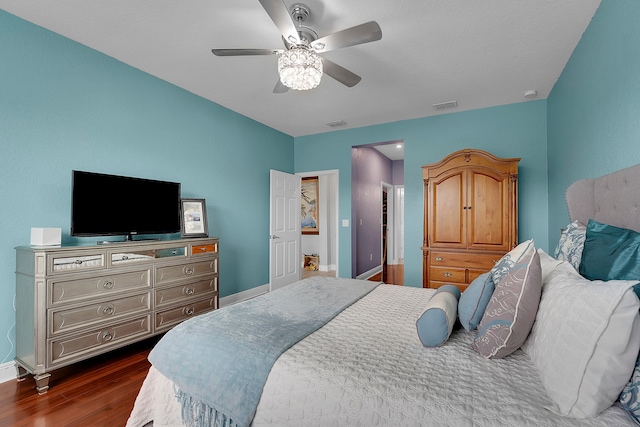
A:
(483, 262)
(68, 262)
(67, 349)
(63, 291)
(165, 319)
(447, 274)
(168, 274)
(204, 249)
(186, 292)
(96, 315)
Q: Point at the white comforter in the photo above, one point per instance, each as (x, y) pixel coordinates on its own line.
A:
(367, 367)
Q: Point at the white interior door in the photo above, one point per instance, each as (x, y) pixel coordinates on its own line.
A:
(284, 232)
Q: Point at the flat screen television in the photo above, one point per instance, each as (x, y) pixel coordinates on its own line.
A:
(108, 205)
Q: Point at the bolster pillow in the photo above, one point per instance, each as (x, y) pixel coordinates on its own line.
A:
(436, 323)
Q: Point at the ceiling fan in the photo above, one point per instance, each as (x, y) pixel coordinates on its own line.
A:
(299, 65)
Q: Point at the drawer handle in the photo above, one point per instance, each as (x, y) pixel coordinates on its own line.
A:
(438, 258)
(106, 336)
(174, 252)
(189, 291)
(189, 311)
(78, 261)
(188, 270)
(108, 311)
(202, 248)
(447, 274)
(108, 284)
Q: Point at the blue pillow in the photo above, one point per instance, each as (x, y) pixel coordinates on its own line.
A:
(436, 323)
(474, 301)
(611, 253)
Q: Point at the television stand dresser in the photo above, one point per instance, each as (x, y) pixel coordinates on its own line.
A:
(75, 302)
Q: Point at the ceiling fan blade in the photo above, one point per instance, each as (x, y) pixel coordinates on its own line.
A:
(280, 88)
(245, 52)
(279, 14)
(364, 33)
(339, 73)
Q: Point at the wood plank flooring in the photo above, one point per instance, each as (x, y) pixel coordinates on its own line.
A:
(97, 392)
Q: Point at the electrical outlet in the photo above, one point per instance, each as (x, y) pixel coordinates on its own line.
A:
(370, 257)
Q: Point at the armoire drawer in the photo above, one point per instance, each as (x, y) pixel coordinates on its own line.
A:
(65, 320)
(171, 273)
(66, 290)
(483, 262)
(436, 285)
(448, 274)
(185, 292)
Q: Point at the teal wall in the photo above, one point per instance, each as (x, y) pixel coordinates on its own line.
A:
(517, 130)
(64, 106)
(594, 108)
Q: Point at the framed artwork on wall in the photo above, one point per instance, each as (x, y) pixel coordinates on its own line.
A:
(309, 205)
(193, 218)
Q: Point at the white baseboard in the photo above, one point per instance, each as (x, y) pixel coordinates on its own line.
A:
(244, 295)
(8, 372)
(367, 274)
(331, 267)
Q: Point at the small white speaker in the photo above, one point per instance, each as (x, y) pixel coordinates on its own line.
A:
(46, 236)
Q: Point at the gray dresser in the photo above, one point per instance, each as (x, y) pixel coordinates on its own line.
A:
(75, 302)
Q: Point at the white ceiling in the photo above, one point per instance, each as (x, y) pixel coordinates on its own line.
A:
(480, 53)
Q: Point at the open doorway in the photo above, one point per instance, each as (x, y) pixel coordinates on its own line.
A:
(320, 250)
(378, 212)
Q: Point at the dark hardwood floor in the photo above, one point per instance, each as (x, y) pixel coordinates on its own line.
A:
(395, 275)
(95, 393)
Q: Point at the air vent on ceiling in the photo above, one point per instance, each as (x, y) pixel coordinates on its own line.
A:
(445, 105)
(337, 123)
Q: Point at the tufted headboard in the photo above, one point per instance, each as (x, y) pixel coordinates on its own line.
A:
(611, 199)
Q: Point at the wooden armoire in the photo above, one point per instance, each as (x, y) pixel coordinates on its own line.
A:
(470, 216)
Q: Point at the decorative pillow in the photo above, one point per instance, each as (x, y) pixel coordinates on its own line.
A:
(585, 341)
(512, 309)
(571, 244)
(630, 396)
(611, 253)
(436, 323)
(474, 300)
(547, 263)
(509, 260)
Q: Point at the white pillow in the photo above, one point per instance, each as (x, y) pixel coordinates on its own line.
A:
(585, 341)
(547, 263)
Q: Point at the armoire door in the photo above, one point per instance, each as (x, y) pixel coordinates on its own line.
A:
(487, 210)
(447, 198)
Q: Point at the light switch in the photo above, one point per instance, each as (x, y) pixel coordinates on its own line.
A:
(345, 222)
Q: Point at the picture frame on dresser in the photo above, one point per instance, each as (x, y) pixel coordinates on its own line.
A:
(193, 218)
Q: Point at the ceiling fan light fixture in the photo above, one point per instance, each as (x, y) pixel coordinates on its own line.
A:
(300, 68)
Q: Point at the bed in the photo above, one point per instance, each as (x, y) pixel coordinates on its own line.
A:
(394, 356)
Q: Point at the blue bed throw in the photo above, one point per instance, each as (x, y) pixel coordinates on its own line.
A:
(220, 360)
